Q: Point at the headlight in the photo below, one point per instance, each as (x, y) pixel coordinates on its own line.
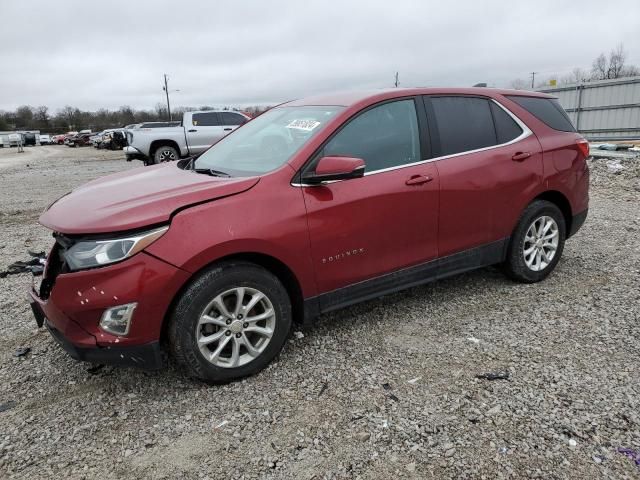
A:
(95, 253)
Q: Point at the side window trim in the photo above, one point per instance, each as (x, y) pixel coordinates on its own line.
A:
(526, 131)
(432, 137)
(423, 140)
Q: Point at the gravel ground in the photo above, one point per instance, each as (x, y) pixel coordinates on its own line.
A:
(384, 389)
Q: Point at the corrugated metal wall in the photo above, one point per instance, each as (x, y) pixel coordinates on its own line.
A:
(603, 110)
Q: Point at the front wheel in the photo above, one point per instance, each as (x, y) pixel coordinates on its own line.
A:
(537, 243)
(230, 322)
(165, 154)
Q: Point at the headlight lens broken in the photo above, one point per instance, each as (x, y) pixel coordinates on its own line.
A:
(95, 253)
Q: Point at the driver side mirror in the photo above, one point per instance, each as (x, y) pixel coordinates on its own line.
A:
(335, 168)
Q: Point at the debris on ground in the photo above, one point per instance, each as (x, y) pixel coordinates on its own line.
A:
(7, 405)
(324, 387)
(21, 351)
(95, 369)
(413, 381)
(298, 335)
(35, 265)
(632, 454)
(493, 376)
(614, 166)
(614, 146)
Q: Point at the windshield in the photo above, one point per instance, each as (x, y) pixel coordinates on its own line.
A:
(266, 142)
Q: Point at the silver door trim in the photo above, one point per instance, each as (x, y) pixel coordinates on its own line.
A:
(526, 132)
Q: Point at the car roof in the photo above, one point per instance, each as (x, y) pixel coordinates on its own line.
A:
(347, 99)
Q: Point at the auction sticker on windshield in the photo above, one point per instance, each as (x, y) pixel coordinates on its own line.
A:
(306, 125)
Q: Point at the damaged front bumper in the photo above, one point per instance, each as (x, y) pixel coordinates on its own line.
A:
(148, 356)
(70, 305)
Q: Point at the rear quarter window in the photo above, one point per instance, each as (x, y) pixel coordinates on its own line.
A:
(547, 110)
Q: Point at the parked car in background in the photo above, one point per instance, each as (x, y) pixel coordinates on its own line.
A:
(96, 138)
(29, 139)
(15, 139)
(80, 140)
(67, 136)
(197, 132)
(314, 205)
(45, 139)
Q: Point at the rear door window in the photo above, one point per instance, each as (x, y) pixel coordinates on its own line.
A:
(230, 118)
(384, 136)
(207, 119)
(463, 124)
(506, 127)
(547, 110)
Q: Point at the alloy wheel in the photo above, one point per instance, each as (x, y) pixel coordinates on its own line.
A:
(167, 155)
(541, 243)
(235, 327)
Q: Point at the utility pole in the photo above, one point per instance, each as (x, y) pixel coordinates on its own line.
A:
(533, 78)
(397, 81)
(166, 91)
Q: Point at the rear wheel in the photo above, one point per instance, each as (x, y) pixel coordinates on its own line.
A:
(230, 322)
(165, 153)
(537, 243)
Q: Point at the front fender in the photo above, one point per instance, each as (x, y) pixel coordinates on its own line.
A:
(268, 220)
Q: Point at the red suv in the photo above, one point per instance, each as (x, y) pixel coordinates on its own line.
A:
(314, 205)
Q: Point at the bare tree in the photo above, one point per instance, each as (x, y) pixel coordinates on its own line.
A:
(614, 66)
(577, 75)
(617, 58)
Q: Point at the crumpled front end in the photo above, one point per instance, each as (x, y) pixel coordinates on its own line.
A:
(72, 304)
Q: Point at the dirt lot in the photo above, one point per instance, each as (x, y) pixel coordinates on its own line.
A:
(384, 389)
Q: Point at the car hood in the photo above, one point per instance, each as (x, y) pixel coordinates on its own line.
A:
(136, 198)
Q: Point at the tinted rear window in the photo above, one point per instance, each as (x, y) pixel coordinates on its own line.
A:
(209, 119)
(229, 118)
(547, 110)
(506, 127)
(463, 123)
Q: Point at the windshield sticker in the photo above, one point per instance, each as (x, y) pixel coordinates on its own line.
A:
(306, 125)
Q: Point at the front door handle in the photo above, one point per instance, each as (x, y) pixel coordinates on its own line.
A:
(418, 180)
(520, 156)
(228, 129)
(193, 130)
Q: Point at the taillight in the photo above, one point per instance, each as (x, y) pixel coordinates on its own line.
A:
(583, 146)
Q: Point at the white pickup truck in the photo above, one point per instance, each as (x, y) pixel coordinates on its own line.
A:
(197, 132)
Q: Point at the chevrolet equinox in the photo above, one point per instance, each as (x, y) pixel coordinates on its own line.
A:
(314, 205)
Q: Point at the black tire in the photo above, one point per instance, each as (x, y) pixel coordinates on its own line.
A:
(165, 153)
(515, 265)
(183, 323)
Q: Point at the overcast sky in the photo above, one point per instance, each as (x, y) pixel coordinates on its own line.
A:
(107, 54)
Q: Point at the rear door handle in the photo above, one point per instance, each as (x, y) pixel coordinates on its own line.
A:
(228, 129)
(193, 130)
(418, 180)
(520, 156)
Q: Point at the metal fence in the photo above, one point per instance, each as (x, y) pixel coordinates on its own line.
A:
(604, 109)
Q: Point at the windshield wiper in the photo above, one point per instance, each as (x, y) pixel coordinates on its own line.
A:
(212, 172)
